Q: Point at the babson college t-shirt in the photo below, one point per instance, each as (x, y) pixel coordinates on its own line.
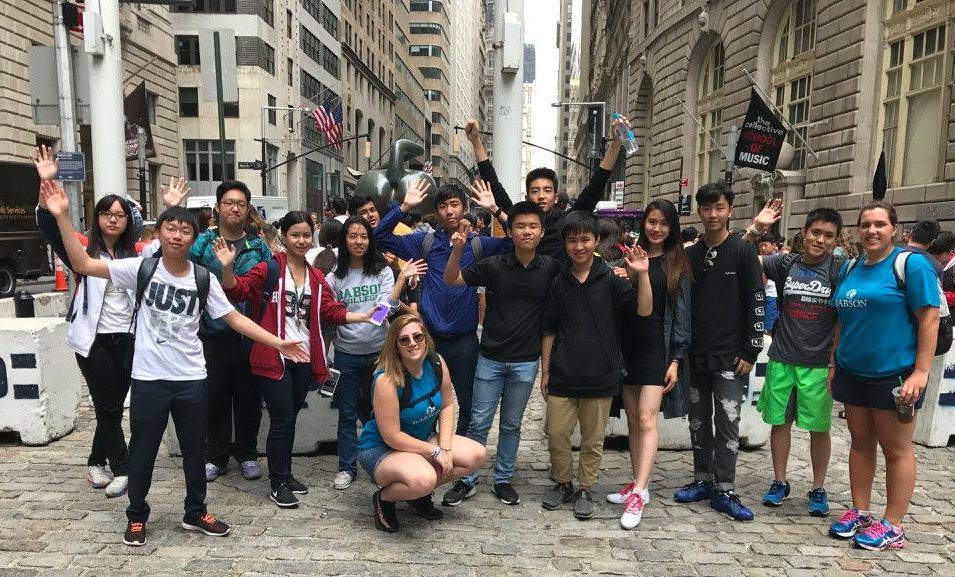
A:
(167, 328)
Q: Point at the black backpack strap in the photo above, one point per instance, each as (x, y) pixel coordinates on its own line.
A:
(147, 268)
(201, 275)
(426, 245)
(271, 281)
(787, 263)
(405, 399)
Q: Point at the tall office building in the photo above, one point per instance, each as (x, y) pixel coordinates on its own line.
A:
(567, 79)
(530, 73)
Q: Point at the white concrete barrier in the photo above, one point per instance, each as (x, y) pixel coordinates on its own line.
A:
(935, 422)
(39, 380)
(51, 304)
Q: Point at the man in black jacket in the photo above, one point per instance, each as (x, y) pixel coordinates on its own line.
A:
(727, 318)
(540, 186)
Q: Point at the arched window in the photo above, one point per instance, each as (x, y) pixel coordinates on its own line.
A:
(792, 73)
(709, 106)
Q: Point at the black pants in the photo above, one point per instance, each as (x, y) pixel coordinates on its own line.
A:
(284, 399)
(149, 409)
(460, 352)
(233, 397)
(106, 370)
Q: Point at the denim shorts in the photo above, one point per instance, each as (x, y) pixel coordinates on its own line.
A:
(370, 458)
(872, 393)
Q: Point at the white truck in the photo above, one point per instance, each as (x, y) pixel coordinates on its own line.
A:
(272, 208)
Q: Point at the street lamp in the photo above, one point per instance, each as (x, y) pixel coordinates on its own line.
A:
(594, 152)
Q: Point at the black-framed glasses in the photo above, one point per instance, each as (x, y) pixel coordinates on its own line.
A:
(406, 340)
(109, 215)
(708, 259)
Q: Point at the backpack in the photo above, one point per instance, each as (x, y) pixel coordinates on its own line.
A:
(429, 241)
(363, 404)
(945, 325)
(271, 281)
(147, 268)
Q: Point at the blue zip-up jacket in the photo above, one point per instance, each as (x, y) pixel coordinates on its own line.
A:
(446, 310)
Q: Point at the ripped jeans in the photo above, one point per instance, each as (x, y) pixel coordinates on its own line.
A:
(714, 454)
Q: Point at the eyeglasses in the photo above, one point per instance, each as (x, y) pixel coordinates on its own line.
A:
(405, 341)
(708, 259)
(230, 204)
(110, 215)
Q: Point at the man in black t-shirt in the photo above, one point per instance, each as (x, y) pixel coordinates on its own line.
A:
(518, 285)
(727, 316)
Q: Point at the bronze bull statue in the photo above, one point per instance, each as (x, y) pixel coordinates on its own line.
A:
(389, 184)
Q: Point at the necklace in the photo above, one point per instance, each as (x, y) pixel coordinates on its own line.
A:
(298, 301)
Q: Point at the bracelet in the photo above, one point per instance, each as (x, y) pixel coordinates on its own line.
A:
(448, 450)
(753, 230)
(435, 454)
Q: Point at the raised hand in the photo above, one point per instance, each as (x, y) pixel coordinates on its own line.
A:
(458, 239)
(46, 165)
(225, 253)
(293, 351)
(618, 121)
(53, 198)
(771, 213)
(414, 268)
(637, 260)
(173, 194)
(482, 196)
(416, 194)
(472, 130)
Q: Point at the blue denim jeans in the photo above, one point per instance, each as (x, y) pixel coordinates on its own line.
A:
(508, 385)
(346, 397)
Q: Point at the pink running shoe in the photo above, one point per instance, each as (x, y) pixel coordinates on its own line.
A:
(633, 512)
(621, 496)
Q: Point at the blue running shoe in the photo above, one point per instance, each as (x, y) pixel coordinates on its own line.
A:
(695, 491)
(728, 502)
(778, 492)
(880, 536)
(850, 523)
(818, 502)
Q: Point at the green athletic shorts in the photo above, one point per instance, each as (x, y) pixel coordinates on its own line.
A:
(794, 393)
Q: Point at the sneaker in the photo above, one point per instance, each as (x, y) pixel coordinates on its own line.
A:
(850, 523)
(207, 524)
(284, 497)
(633, 512)
(778, 492)
(343, 480)
(213, 471)
(97, 476)
(135, 535)
(695, 491)
(458, 492)
(880, 536)
(506, 493)
(425, 508)
(251, 470)
(583, 504)
(385, 517)
(728, 502)
(621, 496)
(561, 493)
(818, 502)
(297, 486)
(117, 487)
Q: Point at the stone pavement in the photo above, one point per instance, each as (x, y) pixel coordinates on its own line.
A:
(52, 523)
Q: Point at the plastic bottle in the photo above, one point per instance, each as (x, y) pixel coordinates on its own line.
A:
(625, 136)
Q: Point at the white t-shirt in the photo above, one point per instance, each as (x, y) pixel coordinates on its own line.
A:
(117, 311)
(771, 289)
(297, 303)
(167, 327)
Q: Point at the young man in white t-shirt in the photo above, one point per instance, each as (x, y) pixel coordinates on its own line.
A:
(169, 369)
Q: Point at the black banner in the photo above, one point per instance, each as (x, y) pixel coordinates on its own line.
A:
(595, 130)
(137, 114)
(761, 138)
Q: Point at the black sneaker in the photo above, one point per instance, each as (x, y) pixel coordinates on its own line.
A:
(135, 535)
(297, 487)
(206, 524)
(458, 492)
(561, 493)
(425, 508)
(284, 497)
(385, 517)
(506, 493)
(583, 505)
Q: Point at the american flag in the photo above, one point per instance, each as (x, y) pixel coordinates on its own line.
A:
(328, 121)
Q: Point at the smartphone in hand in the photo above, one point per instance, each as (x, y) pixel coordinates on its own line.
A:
(379, 315)
(328, 387)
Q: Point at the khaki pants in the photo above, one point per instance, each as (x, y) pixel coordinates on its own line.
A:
(563, 414)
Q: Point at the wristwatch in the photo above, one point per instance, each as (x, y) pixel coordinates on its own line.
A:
(498, 212)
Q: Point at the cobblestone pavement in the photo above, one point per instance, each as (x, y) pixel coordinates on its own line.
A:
(52, 523)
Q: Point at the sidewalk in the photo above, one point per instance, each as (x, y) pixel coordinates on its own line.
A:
(52, 523)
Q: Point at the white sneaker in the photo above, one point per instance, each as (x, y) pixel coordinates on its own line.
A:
(97, 476)
(620, 497)
(634, 509)
(118, 487)
(343, 479)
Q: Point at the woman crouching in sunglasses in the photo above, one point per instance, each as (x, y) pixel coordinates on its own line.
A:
(411, 398)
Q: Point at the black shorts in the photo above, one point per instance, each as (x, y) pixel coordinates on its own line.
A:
(869, 392)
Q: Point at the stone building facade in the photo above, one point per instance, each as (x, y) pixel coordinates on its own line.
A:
(853, 77)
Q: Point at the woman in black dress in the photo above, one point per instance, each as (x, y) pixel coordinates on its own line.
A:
(653, 351)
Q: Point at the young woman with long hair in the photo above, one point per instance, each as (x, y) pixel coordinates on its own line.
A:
(100, 319)
(291, 299)
(654, 348)
(363, 282)
(408, 445)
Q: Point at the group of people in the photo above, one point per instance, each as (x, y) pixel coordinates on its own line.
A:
(671, 324)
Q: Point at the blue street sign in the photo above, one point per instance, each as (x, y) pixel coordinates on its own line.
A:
(72, 166)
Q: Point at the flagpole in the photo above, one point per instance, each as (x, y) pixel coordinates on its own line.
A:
(704, 130)
(316, 149)
(779, 113)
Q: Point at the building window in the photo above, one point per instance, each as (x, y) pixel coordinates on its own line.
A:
(268, 59)
(433, 73)
(794, 53)
(272, 104)
(709, 159)
(288, 24)
(426, 50)
(230, 109)
(912, 106)
(187, 50)
(272, 176)
(323, 16)
(268, 11)
(152, 104)
(432, 6)
(427, 28)
(290, 72)
(224, 6)
(204, 160)
(189, 102)
(797, 35)
(312, 89)
(319, 53)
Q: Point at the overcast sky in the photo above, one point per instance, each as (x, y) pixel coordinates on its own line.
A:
(540, 29)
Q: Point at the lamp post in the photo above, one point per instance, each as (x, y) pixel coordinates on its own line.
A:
(594, 150)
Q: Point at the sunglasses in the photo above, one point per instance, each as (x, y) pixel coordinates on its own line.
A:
(406, 340)
(708, 259)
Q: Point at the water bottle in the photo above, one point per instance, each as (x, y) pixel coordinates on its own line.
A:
(625, 136)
